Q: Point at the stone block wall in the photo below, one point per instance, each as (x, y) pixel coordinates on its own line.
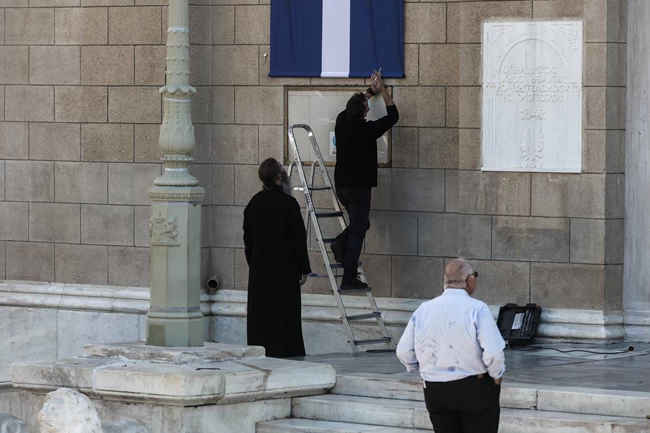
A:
(79, 122)
(79, 116)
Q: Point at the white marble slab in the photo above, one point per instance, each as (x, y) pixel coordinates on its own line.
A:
(209, 352)
(232, 418)
(410, 388)
(214, 373)
(380, 386)
(75, 329)
(534, 421)
(363, 410)
(277, 378)
(296, 425)
(27, 333)
(413, 415)
(319, 337)
(168, 384)
(532, 96)
(595, 401)
(23, 405)
(50, 375)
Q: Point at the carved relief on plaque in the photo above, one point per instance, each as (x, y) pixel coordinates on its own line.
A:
(163, 231)
(532, 147)
(532, 96)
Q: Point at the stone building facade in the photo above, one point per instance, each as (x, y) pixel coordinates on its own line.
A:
(79, 120)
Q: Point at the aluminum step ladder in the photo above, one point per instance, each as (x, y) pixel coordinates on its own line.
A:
(333, 270)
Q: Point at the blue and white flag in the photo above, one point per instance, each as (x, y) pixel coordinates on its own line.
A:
(337, 38)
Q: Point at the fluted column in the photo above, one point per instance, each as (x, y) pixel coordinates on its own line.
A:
(174, 317)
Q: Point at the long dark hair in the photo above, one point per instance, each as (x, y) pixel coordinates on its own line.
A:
(268, 172)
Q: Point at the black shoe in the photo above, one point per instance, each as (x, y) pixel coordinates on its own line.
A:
(353, 284)
(337, 251)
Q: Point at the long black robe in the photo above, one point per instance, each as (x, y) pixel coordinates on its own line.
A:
(276, 251)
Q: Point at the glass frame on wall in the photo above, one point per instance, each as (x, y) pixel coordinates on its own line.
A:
(318, 107)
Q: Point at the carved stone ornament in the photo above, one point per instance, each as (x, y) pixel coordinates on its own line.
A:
(11, 424)
(163, 231)
(532, 147)
(532, 96)
(68, 411)
(192, 196)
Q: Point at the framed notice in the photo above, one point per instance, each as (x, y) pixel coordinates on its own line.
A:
(532, 96)
(318, 108)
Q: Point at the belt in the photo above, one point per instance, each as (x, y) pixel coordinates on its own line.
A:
(475, 377)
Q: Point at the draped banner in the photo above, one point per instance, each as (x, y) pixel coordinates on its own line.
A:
(337, 38)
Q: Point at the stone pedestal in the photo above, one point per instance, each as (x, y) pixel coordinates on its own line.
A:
(174, 318)
(218, 387)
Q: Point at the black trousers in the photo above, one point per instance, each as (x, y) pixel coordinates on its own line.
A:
(357, 202)
(469, 405)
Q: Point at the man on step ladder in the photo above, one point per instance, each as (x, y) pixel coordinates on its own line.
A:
(356, 173)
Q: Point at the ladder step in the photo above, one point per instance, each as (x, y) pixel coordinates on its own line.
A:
(351, 291)
(328, 214)
(376, 341)
(319, 188)
(365, 316)
(339, 265)
(329, 240)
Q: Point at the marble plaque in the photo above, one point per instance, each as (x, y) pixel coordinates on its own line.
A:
(532, 96)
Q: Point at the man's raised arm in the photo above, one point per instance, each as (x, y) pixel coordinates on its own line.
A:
(380, 126)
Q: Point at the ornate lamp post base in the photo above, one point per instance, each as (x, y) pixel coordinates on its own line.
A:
(174, 318)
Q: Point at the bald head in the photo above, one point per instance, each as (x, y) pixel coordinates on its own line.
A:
(457, 272)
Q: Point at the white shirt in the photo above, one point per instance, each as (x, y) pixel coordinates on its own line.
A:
(452, 337)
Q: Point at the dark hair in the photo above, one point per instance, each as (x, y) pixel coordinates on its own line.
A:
(356, 106)
(268, 172)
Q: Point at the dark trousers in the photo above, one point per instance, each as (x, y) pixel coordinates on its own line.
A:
(469, 405)
(357, 202)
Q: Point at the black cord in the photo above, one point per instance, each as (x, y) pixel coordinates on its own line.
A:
(611, 352)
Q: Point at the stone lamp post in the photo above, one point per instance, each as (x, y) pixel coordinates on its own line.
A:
(174, 318)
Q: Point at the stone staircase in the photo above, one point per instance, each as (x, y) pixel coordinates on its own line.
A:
(394, 404)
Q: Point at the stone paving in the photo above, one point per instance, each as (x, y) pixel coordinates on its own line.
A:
(606, 370)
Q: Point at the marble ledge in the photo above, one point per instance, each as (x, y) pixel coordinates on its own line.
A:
(568, 324)
(210, 352)
(195, 382)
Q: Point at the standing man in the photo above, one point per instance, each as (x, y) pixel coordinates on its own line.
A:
(276, 251)
(455, 344)
(356, 173)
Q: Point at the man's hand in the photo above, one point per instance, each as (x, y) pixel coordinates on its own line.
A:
(498, 381)
(378, 87)
(377, 84)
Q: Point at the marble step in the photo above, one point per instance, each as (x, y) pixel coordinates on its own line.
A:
(298, 425)
(407, 414)
(513, 396)
(512, 421)
(409, 387)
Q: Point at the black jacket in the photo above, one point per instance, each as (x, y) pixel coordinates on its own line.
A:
(276, 252)
(356, 149)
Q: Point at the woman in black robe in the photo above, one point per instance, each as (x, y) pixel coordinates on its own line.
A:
(276, 251)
